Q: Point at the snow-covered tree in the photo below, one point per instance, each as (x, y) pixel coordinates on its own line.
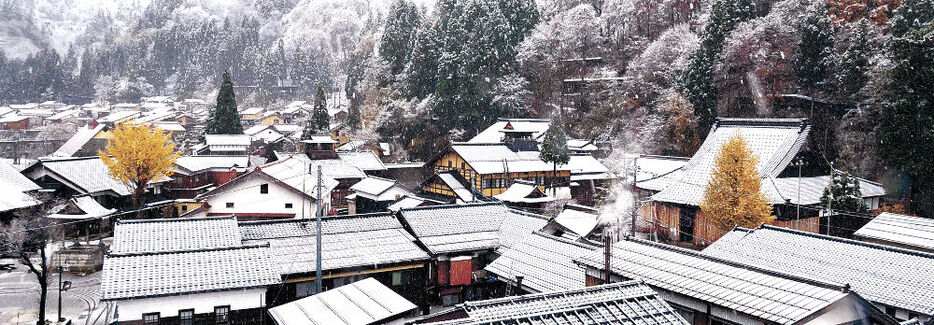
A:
(812, 56)
(402, 23)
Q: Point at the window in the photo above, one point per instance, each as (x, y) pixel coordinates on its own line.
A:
(288, 205)
(229, 204)
(397, 278)
(463, 166)
(449, 163)
(186, 317)
(184, 208)
(222, 314)
(151, 318)
(264, 189)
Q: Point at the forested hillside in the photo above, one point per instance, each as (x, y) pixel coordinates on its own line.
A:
(420, 74)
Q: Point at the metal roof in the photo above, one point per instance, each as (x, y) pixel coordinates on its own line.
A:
(347, 241)
(365, 160)
(546, 263)
(630, 302)
(758, 292)
(773, 141)
(812, 188)
(77, 141)
(168, 235)
(883, 274)
(86, 175)
(900, 229)
(363, 302)
(162, 274)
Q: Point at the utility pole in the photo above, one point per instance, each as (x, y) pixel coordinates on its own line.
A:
(60, 288)
(798, 204)
(318, 235)
(830, 200)
(632, 188)
(606, 255)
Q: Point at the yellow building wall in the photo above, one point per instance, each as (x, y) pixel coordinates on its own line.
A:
(271, 120)
(453, 161)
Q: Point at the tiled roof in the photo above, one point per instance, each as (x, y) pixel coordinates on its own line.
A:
(579, 222)
(11, 178)
(757, 292)
(497, 158)
(812, 188)
(360, 303)
(546, 262)
(379, 189)
(365, 160)
(347, 241)
(774, 141)
(167, 235)
(162, 274)
(900, 229)
(630, 302)
(883, 274)
(469, 227)
(293, 172)
(89, 175)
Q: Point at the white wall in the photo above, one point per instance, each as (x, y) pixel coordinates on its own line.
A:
(246, 197)
(202, 303)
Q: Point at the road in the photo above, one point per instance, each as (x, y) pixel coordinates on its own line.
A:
(19, 297)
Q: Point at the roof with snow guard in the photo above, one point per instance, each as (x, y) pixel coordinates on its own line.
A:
(360, 303)
(347, 241)
(898, 229)
(227, 142)
(774, 141)
(470, 227)
(170, 235)
(884, 274)
(183, 272)
(758, 292)
(546, 263)
(630, 302)
(493, 133)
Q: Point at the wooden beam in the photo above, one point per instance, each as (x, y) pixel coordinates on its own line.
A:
(346, 274)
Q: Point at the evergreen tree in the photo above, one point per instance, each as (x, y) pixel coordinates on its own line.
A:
(421, 72)
(846, 201)
(906, 129)
(225, 119)
(811, 59)
(399, 35)
(353, 112)
(734, 195)
(854, 61)
(555, 148)
(320, 121)
(697, 82)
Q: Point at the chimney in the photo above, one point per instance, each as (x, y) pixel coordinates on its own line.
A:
(518, 285)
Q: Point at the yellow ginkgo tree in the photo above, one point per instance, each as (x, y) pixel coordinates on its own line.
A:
(138, 154)
(733, 196)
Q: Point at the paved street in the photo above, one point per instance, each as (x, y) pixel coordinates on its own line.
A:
(19, 297)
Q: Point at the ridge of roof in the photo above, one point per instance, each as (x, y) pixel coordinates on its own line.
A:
(767, 122)
(818, 283)
(184, 251)
(563, 240)
(323, 218)
(451, 206)
(526, 213)
(534, 296)
(842, 240)
(665, 157)
(132, 221)
(478, 144)
(528, 119)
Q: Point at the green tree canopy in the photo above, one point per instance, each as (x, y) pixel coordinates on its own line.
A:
(225, 119)
(399, 35)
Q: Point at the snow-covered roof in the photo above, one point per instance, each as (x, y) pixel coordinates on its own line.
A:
(252, 111)
(521, 192)
(883, 274)
(193, 164)
(586, 167)
(579, 222)
(463, 194)
(347, 241)
(86, 175)
(363, 302)
(487, 158)
(119, 116)
(470, 227)
(9, 118)
(89, 208)
(253, 130)
(169, 126)
(365, 160)
(493, 134)
(172, 235)
(759, 292)
(546, 262)
(379, 189)
(899, 229)
(174, 273)
(407, 202)
(773, 141)
(227, 139)
(294, 173)
(335, 168)
(325, 139)
(630, 302)
(77, 141)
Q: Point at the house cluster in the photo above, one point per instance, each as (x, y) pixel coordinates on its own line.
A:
(484, 232)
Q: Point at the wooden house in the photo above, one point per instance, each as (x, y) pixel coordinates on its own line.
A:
(675, 211)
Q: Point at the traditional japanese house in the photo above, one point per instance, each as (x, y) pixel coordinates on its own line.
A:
(899, 230)
(195, 175)
(675, 211)
(544, 262)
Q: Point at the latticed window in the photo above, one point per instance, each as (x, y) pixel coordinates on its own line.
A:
(222, 314)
